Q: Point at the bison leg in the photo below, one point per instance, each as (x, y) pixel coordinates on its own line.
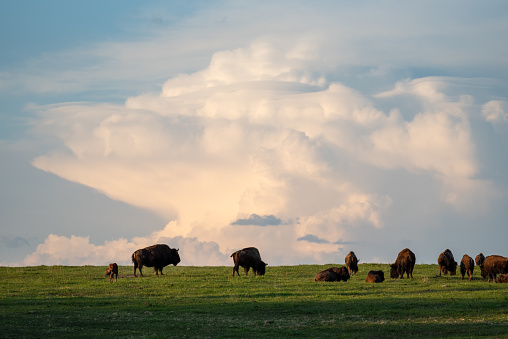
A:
(235, 269)
(246, 270)
(141, 273)
(135, 266)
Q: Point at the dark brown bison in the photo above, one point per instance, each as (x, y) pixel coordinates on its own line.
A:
(112, 272)
(375, 277)
(467, 265)
(333, 274)
(352, 263)
(157, 256)
(405, 263)
(447, 263)
(479, 259)
(493, 265)
(503, 278)
(247, 258)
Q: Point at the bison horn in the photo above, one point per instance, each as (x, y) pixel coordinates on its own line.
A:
(177, 249)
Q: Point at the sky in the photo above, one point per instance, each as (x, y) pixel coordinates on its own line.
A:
(305, 129)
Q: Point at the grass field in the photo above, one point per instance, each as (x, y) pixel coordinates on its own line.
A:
(63, 301)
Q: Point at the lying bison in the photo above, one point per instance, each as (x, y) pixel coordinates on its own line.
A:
(405, 263)
(467, 266)
(112, 272)
(447, 263)
(247, 258)
(503, 278)
(493, 265)
(375, 277)
(352, 263)
(333, 274)
(156, 256)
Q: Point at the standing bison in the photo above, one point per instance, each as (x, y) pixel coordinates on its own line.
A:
(375, 277)
(447, 263)
(493, 265)
(333, 274)
(467, 265)
(156, 256)
(405, 263)
(247, 258)
(352, 263)
(112, 272)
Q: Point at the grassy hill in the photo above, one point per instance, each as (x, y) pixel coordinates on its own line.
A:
(64, 301)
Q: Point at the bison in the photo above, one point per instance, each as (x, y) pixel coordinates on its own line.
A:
(405, 263)
(447, 263)
(352, 263)
(333, 274)
(479, 259)
(503, 278)
(157, 256)
(247, 258)
(112, 271)
(375, 277)
(467, 265)
(493, 265)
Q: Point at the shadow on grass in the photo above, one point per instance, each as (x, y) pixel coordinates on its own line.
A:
(170, 317)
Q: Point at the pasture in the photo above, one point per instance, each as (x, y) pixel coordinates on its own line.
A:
(207, 302)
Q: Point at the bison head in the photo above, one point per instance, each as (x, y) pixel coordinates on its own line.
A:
(394, 271)
(480, 258)
(260, 268)
(453, 269)
(175, 257)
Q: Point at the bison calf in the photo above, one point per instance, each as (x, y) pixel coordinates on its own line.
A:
(467, 265)
(375, 277)
(333, 274)
(112, 272)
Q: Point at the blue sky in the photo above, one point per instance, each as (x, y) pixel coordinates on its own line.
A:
(304, 129)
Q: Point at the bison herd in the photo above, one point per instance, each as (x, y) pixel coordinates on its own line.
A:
(159, 256)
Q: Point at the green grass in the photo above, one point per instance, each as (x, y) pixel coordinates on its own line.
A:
(63, 301)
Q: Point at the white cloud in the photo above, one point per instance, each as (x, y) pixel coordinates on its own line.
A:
(259, 131)
(495, 111)
(78, 251)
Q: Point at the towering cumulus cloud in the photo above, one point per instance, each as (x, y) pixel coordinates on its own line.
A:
(260, 149)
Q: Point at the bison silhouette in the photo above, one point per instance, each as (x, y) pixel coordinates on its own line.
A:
(157, 256)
